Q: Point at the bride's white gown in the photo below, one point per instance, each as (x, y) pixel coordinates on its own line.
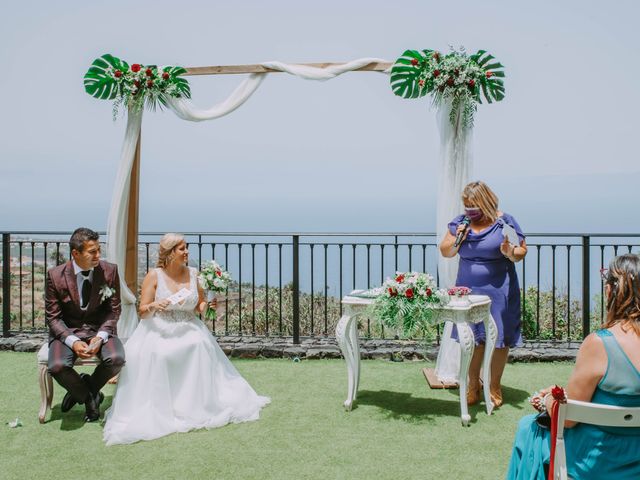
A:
(177, 378)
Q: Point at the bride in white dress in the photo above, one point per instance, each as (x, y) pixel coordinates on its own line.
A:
(176, 377)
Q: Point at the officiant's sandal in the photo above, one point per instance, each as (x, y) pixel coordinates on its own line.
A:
(474, 394)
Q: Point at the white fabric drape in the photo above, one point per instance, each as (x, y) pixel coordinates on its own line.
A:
(117, 224)
(456, 165)
(183, 108)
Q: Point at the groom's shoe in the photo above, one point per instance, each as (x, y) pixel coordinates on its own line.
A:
(68, 403)
(92, 407)
(92, 404)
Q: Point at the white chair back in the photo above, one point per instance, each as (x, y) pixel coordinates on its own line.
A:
(594, 414)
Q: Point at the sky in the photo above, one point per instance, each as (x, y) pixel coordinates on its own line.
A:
(339, 156)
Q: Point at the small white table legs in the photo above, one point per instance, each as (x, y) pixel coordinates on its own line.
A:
(347, 336)
(463, 317)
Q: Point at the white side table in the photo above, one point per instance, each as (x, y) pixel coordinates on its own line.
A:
(477, 311)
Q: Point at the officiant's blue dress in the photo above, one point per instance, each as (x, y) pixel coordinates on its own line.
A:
(602, 453)
(486, 271)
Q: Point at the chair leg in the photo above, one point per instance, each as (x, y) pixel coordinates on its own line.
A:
(46, 392)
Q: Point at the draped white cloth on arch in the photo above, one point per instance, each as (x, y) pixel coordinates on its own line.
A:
(452, 173)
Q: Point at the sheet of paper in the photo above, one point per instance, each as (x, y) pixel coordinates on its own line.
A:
(510, 233)
(179, 296)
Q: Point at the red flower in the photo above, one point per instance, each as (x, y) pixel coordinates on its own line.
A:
(558, 394)
(392, 292)
(165, 75)
(117, 74)
(450, 81)
(136, 67)
(421, 83)
(456, 72)
(414, 61)
(150, 83)
(400, 278)
(472, 83)
(436, 73)
(409, 293)
(489, 74)
(218, 273)
(428, 292)
(436, 56)
(148, 72)
(136, 83)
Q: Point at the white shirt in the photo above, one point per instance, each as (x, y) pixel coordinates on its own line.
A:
(71, 339)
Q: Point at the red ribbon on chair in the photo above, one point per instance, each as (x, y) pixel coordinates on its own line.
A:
(559, 397)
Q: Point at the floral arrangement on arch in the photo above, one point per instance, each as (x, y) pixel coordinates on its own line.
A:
(456, 76)
(406, 302)
(135, 86)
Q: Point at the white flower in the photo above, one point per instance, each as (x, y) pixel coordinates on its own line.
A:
(106, 292)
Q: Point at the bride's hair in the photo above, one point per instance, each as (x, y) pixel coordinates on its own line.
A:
(168, 242)
(623, 304)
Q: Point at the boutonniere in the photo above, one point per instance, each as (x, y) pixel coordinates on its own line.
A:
(106, 292)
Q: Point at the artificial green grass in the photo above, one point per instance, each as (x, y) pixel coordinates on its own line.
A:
(399, 429)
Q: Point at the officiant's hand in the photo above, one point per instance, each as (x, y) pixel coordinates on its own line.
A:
(80, 348)
(507, 248)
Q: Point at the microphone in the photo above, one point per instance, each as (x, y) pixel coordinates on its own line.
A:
(466, 221)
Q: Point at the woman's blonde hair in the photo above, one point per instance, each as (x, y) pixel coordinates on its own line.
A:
(623, 302)
(480, 195)
(168, 243)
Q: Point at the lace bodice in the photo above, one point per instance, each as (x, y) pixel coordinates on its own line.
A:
(180, 311)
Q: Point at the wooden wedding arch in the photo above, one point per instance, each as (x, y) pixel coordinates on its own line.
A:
(131, 262)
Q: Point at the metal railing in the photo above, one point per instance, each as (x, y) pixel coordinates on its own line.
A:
(291, 283)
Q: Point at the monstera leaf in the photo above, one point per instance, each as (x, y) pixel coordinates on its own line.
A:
(492, 83)
(98, 82)
(181, 84)
(406, 74)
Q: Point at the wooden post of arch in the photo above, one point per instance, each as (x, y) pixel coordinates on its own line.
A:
(131, 261)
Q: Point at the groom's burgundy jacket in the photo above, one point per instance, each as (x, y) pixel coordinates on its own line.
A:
(62, 303)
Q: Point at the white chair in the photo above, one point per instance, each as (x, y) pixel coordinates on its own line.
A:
(594, 414)
(46, 382)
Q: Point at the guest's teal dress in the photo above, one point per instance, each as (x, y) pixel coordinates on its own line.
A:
(602, 453)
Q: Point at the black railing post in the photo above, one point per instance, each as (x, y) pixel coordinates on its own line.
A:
(296, 289)
(586, 294)
(6, 284)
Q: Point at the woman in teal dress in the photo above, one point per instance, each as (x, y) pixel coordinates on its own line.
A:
(607, 371)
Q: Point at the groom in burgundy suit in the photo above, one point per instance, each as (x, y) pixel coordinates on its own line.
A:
(82, 309)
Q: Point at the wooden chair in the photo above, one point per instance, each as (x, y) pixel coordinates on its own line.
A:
(46, 382)
(594, 414)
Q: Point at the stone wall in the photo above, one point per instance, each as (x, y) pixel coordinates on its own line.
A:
(326, 347)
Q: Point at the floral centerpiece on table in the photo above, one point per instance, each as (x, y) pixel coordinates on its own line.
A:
(459, 296)
(456, 76)
(406, 302)
(459, 291)
(213, 279)
(135, 86)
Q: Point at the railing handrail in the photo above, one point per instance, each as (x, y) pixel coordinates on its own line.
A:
(323, 234)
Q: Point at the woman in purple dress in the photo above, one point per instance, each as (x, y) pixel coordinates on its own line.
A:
(486, 266)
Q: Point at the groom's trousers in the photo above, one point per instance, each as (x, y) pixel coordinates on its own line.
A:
(62, 358)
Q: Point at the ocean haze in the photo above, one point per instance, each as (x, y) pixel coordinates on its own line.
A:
(339, 156)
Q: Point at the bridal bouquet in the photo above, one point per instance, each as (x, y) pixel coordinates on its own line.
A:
(213, 279)
(407, 301)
